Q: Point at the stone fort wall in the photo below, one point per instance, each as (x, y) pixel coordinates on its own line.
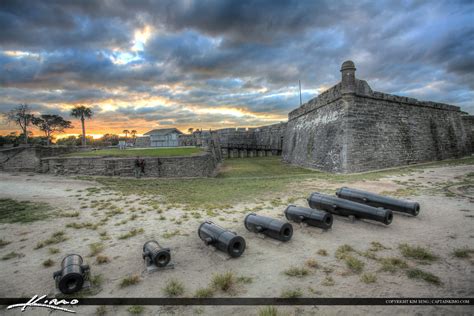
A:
(241, 142)
(201, 165)
(351, 128)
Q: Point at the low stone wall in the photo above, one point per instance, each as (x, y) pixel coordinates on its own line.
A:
(28, 158)
(200, 165)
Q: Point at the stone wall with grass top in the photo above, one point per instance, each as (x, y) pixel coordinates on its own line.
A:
(199, 165)
(28, 158)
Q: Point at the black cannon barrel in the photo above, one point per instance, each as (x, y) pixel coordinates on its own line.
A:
(222, 239)
(343, 207)
(317, 218)
(158, 255)
(271, 227)
(72, 275)
(377, 200)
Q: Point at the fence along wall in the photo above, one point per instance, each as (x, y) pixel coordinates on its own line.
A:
(351, 128)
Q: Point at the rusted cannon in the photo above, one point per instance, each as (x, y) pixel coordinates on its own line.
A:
(343, 207)
(156, 254)
(377, 200)
(270, 227)
(222, 239)
(316, 218)
(72, 275)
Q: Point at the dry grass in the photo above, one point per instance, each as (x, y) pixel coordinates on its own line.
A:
(55, 238)
(224, 281)
(312, 263)
(101, 259)
(368, 278)
(48, 263)
(174, 288)
(392, 264)
(416, 252)
(423, 275)
(132, 233)
(95, 248)
(296, 272)
(322, 252)
(292, 293)
(204, 292)
(268, 311)
(130, 280)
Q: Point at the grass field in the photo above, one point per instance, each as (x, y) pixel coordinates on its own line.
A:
(249, 179)
(141, 152)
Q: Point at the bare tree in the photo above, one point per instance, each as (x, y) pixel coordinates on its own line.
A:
(21, 116)
(82, 113)
(50, 124)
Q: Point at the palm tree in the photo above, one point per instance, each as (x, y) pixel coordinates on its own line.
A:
(126, 132)
(82, 113)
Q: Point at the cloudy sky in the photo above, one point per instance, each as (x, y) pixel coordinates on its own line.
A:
(212, 64)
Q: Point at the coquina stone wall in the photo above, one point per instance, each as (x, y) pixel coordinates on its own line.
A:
(241, 142)
(28, 158)
(351, 128)
(200, 165)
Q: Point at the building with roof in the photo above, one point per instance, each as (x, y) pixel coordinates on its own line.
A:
(164, 137)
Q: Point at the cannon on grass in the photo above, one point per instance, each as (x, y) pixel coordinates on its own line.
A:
(312, 217)
(377, 200)
(343, 207)
(73, 274)
(270, 227)
(222, 239)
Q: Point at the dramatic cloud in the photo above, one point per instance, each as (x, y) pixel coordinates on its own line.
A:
(210, 64)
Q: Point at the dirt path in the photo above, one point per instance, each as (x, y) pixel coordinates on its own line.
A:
(445, 223)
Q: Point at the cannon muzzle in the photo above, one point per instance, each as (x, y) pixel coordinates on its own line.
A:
(316, 218)
(377, 200)
(270, 227)
(156, 254)
(72, 275)
(343, 207)
(222, 239)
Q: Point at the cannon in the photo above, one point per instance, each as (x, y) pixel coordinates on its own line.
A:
(221, 239)
(316, 218)
(377, 200)
(156, 254)
(343, 207)
(270, 227)
(72, 275)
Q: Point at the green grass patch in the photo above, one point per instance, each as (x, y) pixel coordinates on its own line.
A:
(243, 180)
(416, 252)
(423, 275)
(142, 152)
(174, 288)
(13, 211)
(328, 281)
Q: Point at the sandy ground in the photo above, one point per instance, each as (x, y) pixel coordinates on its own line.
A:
(444, 223)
